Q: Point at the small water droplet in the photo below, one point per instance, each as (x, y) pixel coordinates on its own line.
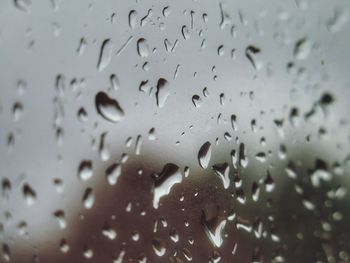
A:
(302, 48)
(113, 172)
(85, 171)
(88, 198)
(197, 101)
(114, 82)
(29, 194)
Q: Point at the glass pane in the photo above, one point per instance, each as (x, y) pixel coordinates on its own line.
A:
(174, 131)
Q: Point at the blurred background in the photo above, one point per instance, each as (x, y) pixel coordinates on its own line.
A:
(174, 131)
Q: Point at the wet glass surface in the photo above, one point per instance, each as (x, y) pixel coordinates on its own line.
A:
(174, 131)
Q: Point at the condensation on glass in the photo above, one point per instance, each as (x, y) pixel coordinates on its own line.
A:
(174, 131)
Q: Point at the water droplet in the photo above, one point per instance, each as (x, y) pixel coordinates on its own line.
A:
(103, 148)
(213, 224)
(163, 182)
(114, 82)
(204, 155)
(142, 48)
(223, 170)
(85, 171)
(159, 247)
(336, 23)
(105, 55)
(64, 247)
(5, 189)
(88, 198)
(152, 134)
(234, 122)
(108, 108)
(6, 254)
(225, 17)
(251, 52)
(113, 172)
(221, 50)
(109, 232)
(29, 194)
(162, 92)
(61, 218)
(82, 115)
(197, 101)
(17, 110)
(302, 48)
(132, 19)
(185, 32)
(243, 159)
(23, 5)
(88, 252)
(138, 145)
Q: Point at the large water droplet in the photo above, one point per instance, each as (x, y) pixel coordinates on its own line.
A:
(105, 55)
(163, 182)
(223, 170)
(162, 92)
(142, 48)
(108, 108)
(213, 224)
(204, 155)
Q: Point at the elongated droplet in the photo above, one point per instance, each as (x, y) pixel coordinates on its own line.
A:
(108, 108)
(114, 82)
(132, 18)
(164, 181)
(142, 48)
(204, 155)
(302, 49)
(113, 172)
(162, 92)
(88, 198)
(213, 225)
(105, 55)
